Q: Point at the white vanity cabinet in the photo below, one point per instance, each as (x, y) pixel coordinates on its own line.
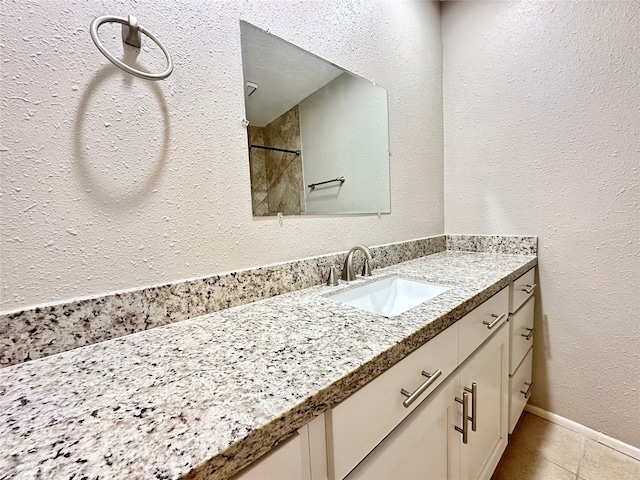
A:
(424, 445)
(488, 370)
(301, 457)
(432, 441)
(287, 461)
(427, 443)
(408, 422)
(521, 308)
(360, 422)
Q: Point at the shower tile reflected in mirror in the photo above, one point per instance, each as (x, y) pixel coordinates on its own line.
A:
(276, 176)
(337, 121)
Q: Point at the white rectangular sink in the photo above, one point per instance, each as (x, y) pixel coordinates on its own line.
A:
(389, 296)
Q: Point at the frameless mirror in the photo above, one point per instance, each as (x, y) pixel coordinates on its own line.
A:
(318, 135)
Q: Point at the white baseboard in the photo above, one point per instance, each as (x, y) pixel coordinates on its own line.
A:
(599, 437)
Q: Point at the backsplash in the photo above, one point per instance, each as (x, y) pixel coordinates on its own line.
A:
(507, 245)
(42, 331)
(46, 330)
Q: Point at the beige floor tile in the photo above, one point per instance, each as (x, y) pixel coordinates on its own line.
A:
(604, 463)
(520, 463)
(551, 441)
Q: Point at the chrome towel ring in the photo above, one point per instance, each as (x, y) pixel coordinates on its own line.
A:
(131, 36)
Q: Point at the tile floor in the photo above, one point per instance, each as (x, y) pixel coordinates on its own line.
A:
(541, 450)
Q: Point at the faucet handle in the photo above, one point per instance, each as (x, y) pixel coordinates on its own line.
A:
(366, 269)
(332, 279)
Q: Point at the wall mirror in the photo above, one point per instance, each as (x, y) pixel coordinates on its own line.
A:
(318, 135)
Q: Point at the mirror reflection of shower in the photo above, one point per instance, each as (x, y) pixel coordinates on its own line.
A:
(276, 172)
(310, 123)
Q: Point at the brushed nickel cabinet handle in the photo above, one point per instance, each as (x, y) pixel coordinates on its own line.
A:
(528, 392)
(497, 320)
(465, 417)
(412, 397)
(529, 335)
(474, 415)
(529, 288)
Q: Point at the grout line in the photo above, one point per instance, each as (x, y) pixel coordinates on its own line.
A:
(518, 449)
(617, 445)
(587, 432)
(583, 447)
(545, 458)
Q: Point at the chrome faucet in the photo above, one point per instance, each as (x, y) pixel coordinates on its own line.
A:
(348, 273)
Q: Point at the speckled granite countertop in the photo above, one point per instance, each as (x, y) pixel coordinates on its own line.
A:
(204, 397)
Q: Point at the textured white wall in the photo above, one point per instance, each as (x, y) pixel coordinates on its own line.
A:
(542, 122)
(344, 132)
(109, 182)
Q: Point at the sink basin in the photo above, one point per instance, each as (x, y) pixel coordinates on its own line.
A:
(389, 296)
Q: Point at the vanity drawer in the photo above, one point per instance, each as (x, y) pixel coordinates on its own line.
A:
(521, 289)
(480, 323)
(521, 330)
(520, 387)
(359, 423)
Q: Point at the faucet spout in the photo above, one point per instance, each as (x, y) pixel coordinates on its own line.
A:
(348, 273)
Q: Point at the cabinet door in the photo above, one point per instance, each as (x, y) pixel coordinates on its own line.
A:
(488, 369)
(288, 461)
(418, 448)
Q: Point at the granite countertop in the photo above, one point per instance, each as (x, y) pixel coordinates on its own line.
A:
(204, 397)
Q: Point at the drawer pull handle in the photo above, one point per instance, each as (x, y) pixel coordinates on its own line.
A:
(497, 320)
(528, 335)
(474, 415)
(528, 392)
(465, 417)
(529, 288)
(412, 397)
